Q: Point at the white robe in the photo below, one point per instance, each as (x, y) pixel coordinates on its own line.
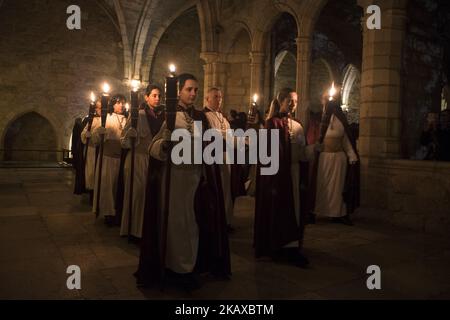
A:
(218, 121)
(110, 166)
(182, 228)
(141, 162)
(89, 171)
(331, 173)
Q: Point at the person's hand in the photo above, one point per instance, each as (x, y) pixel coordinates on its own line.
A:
(132, 133)
(88, 134)
(352, 160)
(318, 147)
(101, 130)
(167, 135)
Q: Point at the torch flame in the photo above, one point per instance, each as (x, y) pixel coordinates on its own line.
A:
(92, 96)
(106, 87)
(332, 92)
(135, 84)
(172, 68)
(255, 98)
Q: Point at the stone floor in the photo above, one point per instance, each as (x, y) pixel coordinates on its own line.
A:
(44, 229)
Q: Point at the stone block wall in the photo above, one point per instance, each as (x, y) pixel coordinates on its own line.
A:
(407, 193)
(51, 70)
(237, 86)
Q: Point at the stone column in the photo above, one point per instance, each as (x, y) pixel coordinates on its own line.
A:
(257, 76)
(209, 71)
(381, 82)
(304, 49)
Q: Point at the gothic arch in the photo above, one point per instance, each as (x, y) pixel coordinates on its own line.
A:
(153, 44)
(46, 130)
(234, 33)
(351, 73)
(285, 71)
(208, 25)
(267, 20)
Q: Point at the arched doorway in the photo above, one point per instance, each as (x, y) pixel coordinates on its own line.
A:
(180, 44)
(285, 71)
(29, 132)
(283, 53)
(351, 93)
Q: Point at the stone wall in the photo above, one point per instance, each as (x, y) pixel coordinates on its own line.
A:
(49, 69)
(237, 91)
(181, 45)
(407, 193)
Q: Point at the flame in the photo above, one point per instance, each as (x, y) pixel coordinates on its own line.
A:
(135, 84)
(332, 91)
(106, 87)
(255, 98)
(127, 106)
(92, 96)
(172, 68)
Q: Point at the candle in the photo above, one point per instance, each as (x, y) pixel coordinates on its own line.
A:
(171, 93)
(332, 92)
(134, 103)
(92, 98)
(255, 98)
(92, 106)
(127, 106)
(105, 98)
(171, 85)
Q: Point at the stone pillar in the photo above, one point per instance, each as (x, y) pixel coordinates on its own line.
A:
(304, 49)
(209, 73)
(381, 82)
(257, 76)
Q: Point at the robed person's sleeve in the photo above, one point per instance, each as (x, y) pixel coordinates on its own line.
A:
(352, 157)
(157, 148)
(125, 140)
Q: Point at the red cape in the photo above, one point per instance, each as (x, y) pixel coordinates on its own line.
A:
(275, 221)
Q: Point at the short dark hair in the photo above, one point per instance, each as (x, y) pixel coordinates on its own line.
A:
(152, 87)
(182, 78)
(115, 99)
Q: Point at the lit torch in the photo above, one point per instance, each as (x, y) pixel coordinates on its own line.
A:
(332, 92)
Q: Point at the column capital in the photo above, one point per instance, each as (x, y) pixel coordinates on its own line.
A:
(257, 57)
(209, 56)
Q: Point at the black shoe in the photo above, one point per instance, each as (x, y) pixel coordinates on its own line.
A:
(186, 281)
(190, 282)
(336, 220)
(343, 220)
(311, 219)
(296, 258)
(109, 221)
(347, 221)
